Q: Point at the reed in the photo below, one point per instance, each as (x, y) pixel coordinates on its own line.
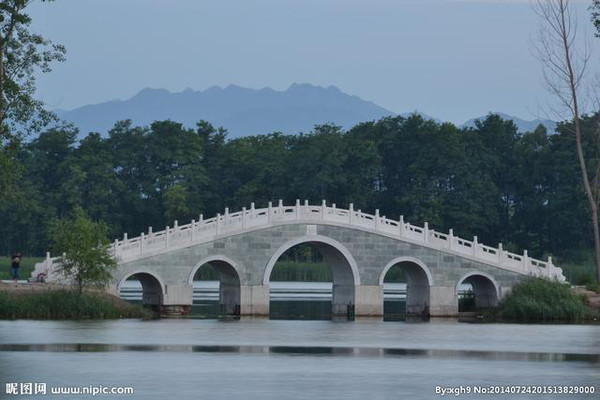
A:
(66, 304)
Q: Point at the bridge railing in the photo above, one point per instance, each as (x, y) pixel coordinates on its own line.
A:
(250, 219)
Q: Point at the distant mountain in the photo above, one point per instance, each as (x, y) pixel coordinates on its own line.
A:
(522, 125)
(242, 111)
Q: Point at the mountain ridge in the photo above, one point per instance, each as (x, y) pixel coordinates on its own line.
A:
(244, 111)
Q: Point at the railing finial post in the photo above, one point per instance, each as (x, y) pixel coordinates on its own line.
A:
(426, 232)
(401, 226)
(269, 211)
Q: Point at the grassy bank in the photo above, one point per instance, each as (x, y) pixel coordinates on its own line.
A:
(27, 266)
(540, 300)
(66, 304)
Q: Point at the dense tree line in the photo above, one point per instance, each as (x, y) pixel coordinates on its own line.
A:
(523, 190)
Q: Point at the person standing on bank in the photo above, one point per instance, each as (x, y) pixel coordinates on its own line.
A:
(16, 263)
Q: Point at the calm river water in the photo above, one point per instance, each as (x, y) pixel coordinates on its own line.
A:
(294, 359)
(284, 359)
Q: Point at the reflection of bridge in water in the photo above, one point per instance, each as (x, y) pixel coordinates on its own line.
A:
(359, 248)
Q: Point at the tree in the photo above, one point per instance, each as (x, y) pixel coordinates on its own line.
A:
(22, 54)
(564, 70)
(86, 255)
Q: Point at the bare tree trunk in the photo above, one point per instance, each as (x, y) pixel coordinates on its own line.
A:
(563, 79)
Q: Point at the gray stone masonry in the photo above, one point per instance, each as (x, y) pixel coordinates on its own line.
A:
(358, 259)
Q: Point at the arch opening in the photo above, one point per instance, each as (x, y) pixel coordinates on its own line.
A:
(477, 291)
(311, 279)
(144, 287)
(216, 288)
(405, 290)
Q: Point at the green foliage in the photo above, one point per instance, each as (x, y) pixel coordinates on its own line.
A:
(301, 272)
(83, 242)
(23, 55)
(519, 189)
(66, 304)
(466, 302)
(538, 299)
(580, 269)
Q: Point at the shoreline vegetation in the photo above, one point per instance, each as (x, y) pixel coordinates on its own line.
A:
(540, 300)
(46, 301)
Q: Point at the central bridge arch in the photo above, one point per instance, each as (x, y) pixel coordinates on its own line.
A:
(344, 269)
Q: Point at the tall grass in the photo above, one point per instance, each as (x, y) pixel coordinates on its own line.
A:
(578, 267)
(538, 299)
(66, 304)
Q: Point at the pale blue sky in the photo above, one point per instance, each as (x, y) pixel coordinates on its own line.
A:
(451, 59)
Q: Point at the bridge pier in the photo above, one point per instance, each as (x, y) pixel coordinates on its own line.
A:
(254, 300)
(444, 301)
(369, 300)
(177, 299)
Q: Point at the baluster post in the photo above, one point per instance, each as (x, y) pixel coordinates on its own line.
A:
(377, 219)
(426, 232)
(350, 213)
(297, 210)
(218, 223)
(323, 209)
(243, 218)
(475, 246)
(451, 239)
(269, 211)
(501, 254)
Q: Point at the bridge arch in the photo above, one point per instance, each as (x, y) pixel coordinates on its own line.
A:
(344, 269)
(153, 287)
(229, 281)
(319, 241)
(418, 281)
(485, 288)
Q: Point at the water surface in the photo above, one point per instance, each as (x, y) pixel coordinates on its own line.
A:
(282, 359)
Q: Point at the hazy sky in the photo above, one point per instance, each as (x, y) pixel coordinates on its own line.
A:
(451, 59)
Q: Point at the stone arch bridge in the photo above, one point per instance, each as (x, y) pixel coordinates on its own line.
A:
(360, 248)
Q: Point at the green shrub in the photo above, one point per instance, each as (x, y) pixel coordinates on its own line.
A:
(538, 299)
(66, 304)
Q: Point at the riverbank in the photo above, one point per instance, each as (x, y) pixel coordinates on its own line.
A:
(57, 302)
